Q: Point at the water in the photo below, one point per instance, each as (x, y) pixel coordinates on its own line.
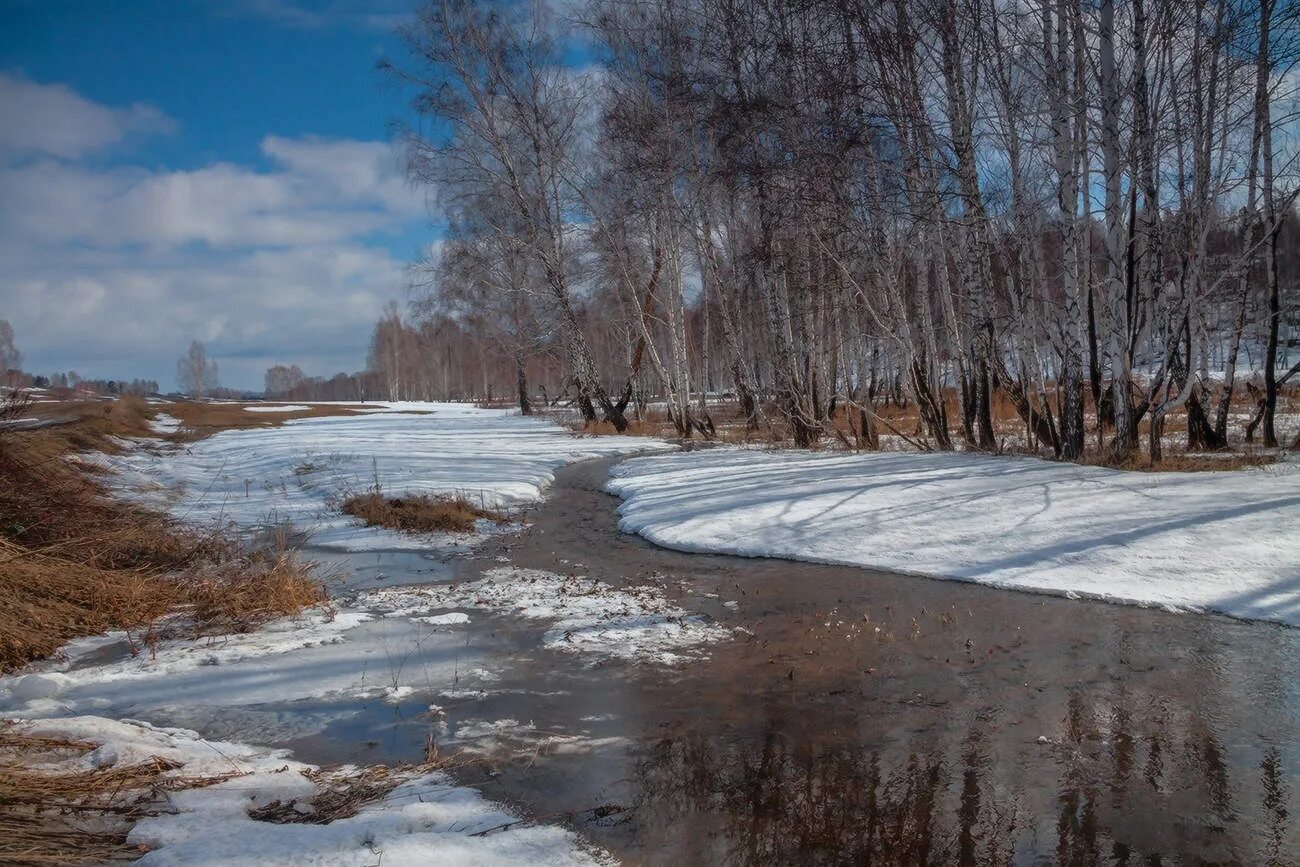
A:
(859, 717)
(866, 717)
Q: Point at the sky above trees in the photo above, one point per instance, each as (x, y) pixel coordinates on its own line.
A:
(200, 170)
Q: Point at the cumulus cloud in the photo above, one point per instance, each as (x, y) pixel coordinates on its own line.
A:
(130, 313)
(54, 120)
(320, 191)
(111, 270)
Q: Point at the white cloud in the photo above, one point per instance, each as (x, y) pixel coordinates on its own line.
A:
(131, 313)
(360, 170)
(112, 270)
(53, 119)
(320, 191)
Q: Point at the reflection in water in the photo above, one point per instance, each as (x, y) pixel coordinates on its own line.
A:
(783, 803)
(760, 795)
(1275, 798)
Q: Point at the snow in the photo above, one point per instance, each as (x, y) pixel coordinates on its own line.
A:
(1226, 542)
(297, 472)
(426, 819)
(383, 643)
(288, 407)
(453, 618)
(634, 624)
(163, 423)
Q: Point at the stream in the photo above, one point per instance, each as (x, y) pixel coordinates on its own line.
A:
(854, 716)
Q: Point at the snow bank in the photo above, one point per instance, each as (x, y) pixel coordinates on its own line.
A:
(1212, 541)
(295, 473)
(587, 616)
(426, 819)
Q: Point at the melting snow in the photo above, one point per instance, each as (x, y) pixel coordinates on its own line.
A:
(1208, 541)
(586, 615)
(426, 819)
(298, 472)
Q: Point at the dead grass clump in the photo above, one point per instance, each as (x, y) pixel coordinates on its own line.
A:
(52, 811)
(340, 794)
(48, 600)
(418, 514)
(240, 594)
(201, 419)
(1183, 463)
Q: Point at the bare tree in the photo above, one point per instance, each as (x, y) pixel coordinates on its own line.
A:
(835, 207)
(195, 374)
(282, 379)
(10, 357)
(491, 73)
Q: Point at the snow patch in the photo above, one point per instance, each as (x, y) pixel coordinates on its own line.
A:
(587, 615)
(298, 472)
(426, 819)
(1227, 542)
(163, 423)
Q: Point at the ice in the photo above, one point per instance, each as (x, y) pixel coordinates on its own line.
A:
(636, 624)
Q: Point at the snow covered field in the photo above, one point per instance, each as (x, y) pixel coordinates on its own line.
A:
(264, 476)
(1226, 542)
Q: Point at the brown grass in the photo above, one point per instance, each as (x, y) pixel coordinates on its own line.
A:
(53, 810)
(418, 514)
(201, 419)
(52, 815)
(1009, 430)
(340, 794)
(74, 561)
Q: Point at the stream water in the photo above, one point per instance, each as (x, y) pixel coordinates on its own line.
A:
(864, 716)
(856, 716)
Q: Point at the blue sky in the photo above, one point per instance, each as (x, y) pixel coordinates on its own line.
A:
(219, 171)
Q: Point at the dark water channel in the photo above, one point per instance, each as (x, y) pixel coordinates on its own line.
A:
(864, 717)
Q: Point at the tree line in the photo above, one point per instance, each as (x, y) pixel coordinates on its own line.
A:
(1087, 207)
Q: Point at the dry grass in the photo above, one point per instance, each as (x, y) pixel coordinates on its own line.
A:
(1009, 430)
(74, 561)
(1183, 462)
(55, 810)
(340, 794)
(418, 514)
(50, 814)
(201, 419)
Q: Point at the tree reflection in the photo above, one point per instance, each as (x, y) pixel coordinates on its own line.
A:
(785, 802)
(1113, 788)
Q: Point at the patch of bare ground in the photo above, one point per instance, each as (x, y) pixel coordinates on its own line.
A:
(200, 419)
(75, 561)
(1184, 462)
(418, 513)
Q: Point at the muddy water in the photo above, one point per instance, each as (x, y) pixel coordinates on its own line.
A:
(867, 717)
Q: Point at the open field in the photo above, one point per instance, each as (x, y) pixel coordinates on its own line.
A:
(76, 561)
